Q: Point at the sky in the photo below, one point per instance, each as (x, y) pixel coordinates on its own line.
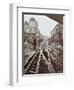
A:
(45, 24)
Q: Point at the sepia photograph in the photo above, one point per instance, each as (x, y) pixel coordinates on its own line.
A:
(42, 43)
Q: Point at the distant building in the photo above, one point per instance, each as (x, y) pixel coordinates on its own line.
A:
(26, 27)
(31, 26)
(31, 33)
(57, 35)
(57, 29)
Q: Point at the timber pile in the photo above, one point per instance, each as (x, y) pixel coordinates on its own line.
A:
(44, 61)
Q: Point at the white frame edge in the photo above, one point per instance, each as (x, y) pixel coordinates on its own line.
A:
(13, 45)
